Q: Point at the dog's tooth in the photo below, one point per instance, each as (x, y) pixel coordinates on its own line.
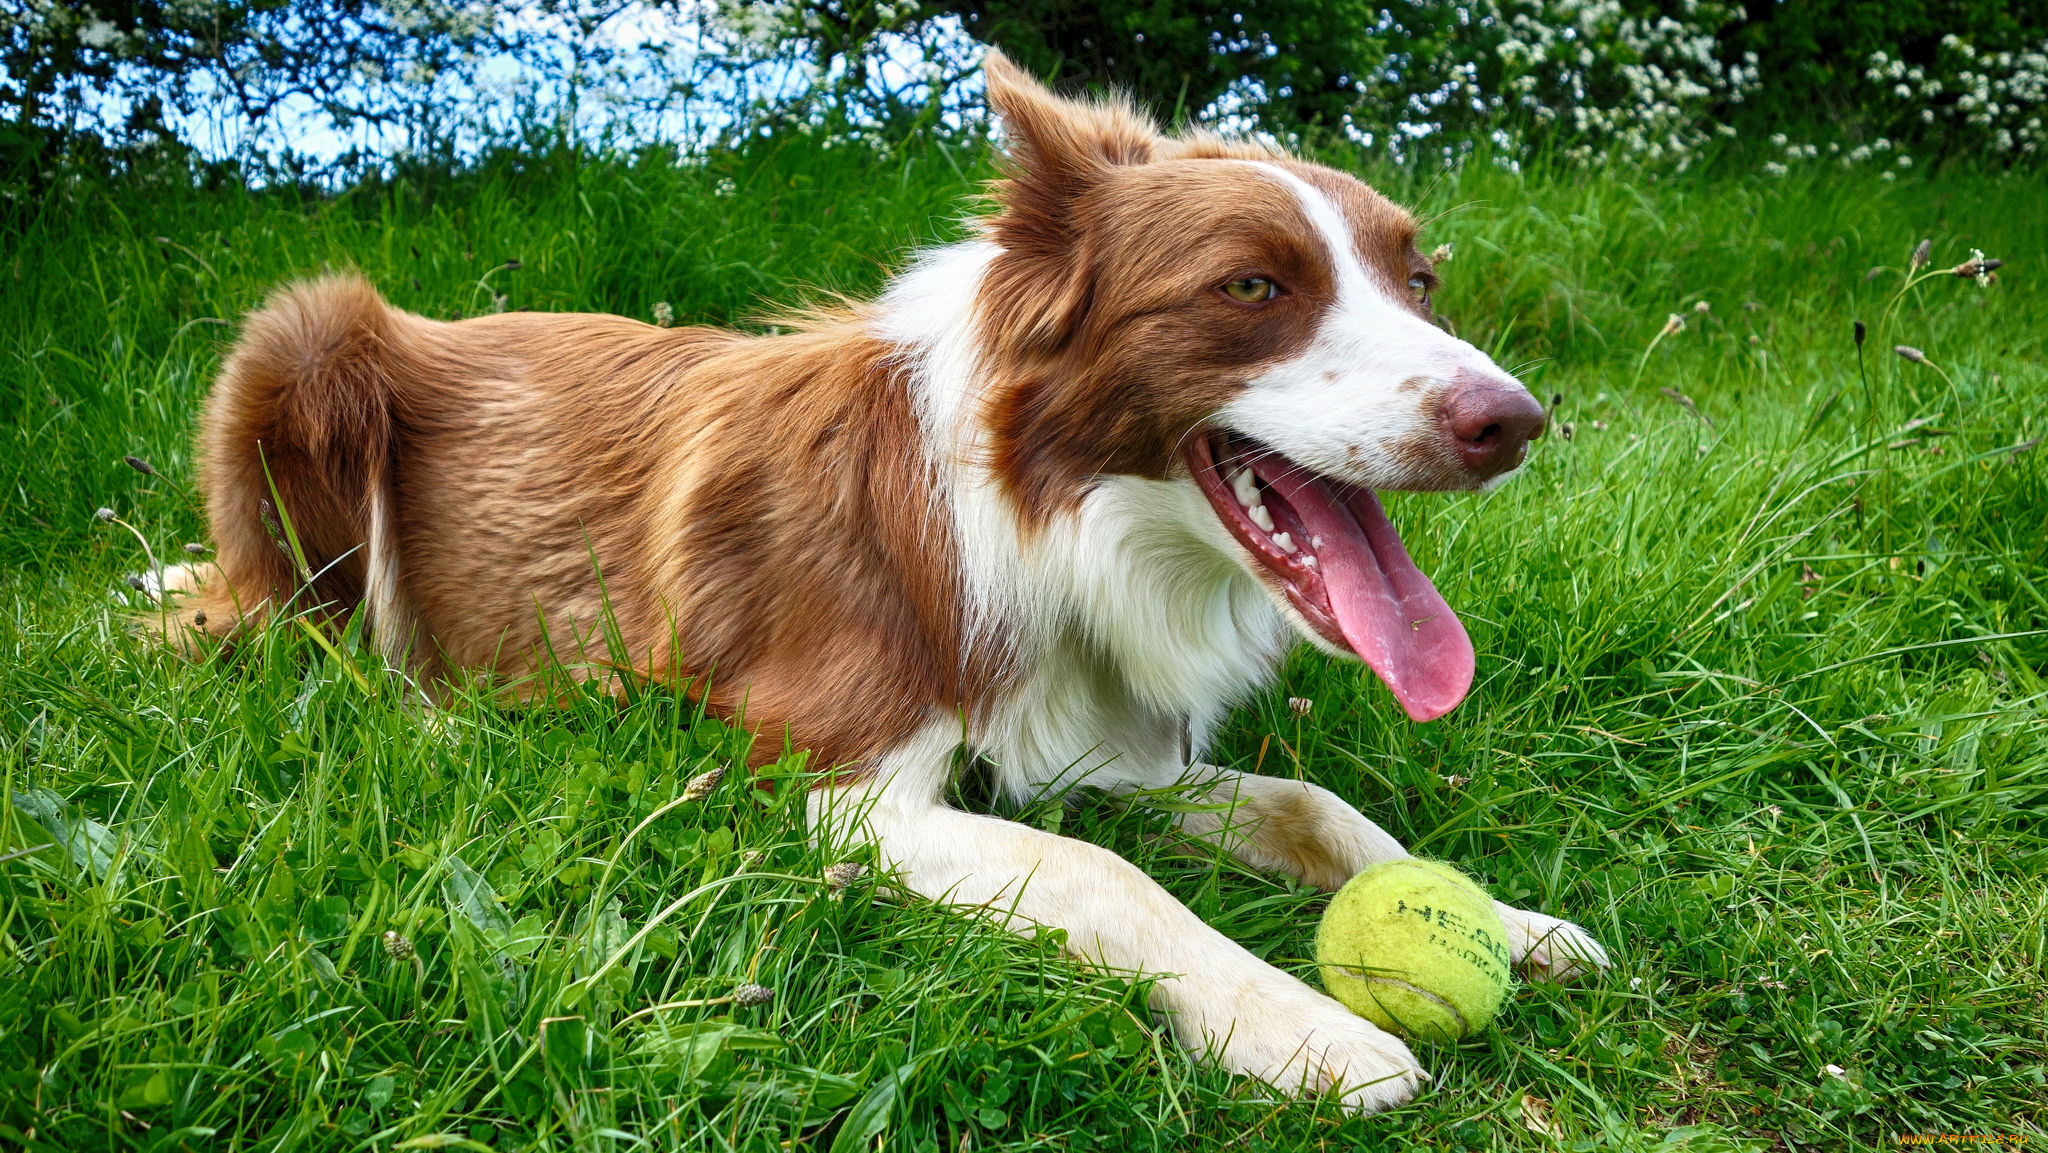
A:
(1309, 561)
(1285, 542)
(1261, 517)
(1315, 542)
(1246, 486)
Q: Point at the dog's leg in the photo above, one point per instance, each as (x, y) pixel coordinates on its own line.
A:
(1214, 995)
(1305, 830)
(1288, 826)
(1554, 949)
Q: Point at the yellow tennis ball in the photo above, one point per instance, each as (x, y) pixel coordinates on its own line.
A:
(1415, 946)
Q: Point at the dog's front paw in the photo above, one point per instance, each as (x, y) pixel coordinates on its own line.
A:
(1301, 1042)
(154, 588)
(1336, 1052)
(1555, 950)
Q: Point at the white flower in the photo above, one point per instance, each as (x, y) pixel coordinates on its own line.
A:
(759, 23)
(99, 34)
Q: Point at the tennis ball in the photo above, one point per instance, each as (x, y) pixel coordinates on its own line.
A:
(1416, 947)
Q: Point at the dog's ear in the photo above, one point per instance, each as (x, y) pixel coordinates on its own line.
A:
(1058, 151)
(1059, 142)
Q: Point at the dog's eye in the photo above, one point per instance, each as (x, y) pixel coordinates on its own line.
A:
(1252, 289)
(1419, 288)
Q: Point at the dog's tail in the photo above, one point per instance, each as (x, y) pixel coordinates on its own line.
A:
(297, 463)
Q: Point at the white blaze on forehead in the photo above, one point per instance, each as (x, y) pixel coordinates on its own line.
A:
(1353, 282)
(1358, 400)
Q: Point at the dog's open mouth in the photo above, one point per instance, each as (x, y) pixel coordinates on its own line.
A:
(1342, 567)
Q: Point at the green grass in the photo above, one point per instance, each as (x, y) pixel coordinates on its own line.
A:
(1761, 703)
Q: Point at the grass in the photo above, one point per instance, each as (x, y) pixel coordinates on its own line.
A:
(1761, 703)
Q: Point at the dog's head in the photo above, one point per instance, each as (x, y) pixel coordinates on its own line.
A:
(1257, 326)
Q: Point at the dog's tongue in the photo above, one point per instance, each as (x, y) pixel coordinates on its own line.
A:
(1389, 612)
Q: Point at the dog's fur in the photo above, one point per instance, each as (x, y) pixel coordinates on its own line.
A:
(974, 507)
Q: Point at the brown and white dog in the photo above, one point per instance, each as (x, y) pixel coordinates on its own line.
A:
(1066, 491)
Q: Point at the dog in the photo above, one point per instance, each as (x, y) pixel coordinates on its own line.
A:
(1063, 494)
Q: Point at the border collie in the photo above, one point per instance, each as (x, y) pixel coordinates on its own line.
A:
(1063, 494)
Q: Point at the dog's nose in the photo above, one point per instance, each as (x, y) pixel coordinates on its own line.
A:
(1491, 421)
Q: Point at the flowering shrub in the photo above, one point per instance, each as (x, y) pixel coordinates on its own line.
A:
(1997, 101)
(1966, 101)
(1596, 78)
(1590, 81)
(860, 72)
